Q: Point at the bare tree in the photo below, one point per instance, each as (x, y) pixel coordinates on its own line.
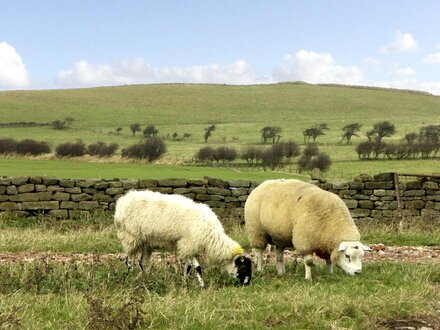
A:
(208, 132)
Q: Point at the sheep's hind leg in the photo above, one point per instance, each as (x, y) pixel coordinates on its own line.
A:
(259, 256)
(279, 256)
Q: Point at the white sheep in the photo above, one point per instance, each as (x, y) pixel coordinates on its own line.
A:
(147, 220)
(293, 213)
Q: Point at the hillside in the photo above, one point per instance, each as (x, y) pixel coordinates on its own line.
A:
(239, 113)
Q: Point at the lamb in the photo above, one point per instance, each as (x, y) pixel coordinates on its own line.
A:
(293, 213)
(147, 220)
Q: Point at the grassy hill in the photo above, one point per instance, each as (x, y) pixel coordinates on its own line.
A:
(238, 111)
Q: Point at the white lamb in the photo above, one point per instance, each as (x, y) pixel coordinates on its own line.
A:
(292, 213)
(147, 220)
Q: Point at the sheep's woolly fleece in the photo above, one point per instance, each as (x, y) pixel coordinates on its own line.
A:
(173, 222)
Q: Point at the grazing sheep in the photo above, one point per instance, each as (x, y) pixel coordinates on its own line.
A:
(147, 220)
(292, 213)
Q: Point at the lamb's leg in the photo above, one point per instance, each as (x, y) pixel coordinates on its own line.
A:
(329, 264)
(279, 256)
(145, 259)
(259, 256)
(308, 263)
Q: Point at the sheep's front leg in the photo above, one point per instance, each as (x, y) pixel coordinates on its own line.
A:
(259, 256)
(308, 263)
(145, 259)
(129, 260)
(279, 256)
(329, 264)
(192, 263)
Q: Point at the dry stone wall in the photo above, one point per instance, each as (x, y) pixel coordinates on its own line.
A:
(366, 196)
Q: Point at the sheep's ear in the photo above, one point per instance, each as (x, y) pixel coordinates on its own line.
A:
(342, 247)
(365, 247)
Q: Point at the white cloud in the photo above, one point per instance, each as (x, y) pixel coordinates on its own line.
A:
(404, 42)
(432, 58)
(403, 72)
(136, 71)
(315, 67)
(13, 72)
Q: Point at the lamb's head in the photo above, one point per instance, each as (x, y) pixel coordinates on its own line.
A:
(349, 256)
(241, 269)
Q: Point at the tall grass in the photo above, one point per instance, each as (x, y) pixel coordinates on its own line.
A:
(50, 295)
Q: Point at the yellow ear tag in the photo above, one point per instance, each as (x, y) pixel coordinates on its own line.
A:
(238, 250)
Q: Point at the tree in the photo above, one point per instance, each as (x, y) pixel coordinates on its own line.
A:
(380, 130)
(208, 132)
(314, 131)
(349, 131)
(118, 130)
(270, 133)
(150, 131)
(135, 127)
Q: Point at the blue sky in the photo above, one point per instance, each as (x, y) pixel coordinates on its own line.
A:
(78, 43)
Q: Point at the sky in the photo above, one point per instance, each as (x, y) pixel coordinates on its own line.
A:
(52, 44)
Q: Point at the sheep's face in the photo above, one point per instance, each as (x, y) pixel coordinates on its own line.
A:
(350, 257)
(241, 268)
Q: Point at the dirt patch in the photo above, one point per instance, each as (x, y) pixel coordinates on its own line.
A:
(415, 254)
(409, 324)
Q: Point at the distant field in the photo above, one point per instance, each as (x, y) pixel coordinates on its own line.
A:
(83, 169)
(239, 112)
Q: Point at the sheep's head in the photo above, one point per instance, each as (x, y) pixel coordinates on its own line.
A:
(241, 268)
(349, 256)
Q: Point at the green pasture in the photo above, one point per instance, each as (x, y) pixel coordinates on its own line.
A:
(98, 294)
(239, 113)
(84, 168)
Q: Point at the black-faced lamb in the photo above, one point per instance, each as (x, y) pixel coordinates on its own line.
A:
(293, 213)
(147, 220)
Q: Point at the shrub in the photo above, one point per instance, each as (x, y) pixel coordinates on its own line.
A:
(313, 158)
(205, 154)
(71, 149)
(272, 157)
(102, 149)
(8, 146)
(225, 154)
(151, 149)
(251, 155)
(32, 147)
(59, 124)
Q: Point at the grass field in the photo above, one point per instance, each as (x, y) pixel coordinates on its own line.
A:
(239, 112)
(48, 294)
